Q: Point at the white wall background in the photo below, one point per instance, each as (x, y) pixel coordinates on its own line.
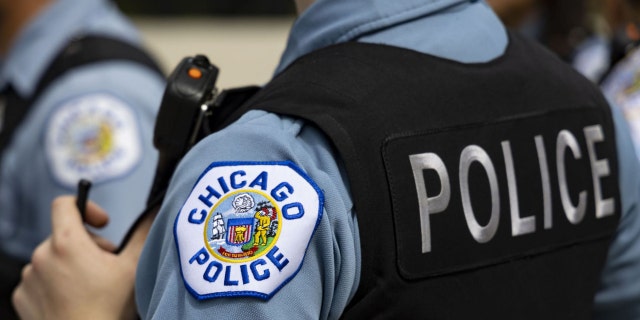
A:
(246, 49)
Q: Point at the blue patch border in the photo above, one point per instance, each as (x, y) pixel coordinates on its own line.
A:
(253, 294)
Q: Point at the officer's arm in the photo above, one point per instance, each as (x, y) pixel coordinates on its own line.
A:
(95, 123)
(309, 266)
(619, 295)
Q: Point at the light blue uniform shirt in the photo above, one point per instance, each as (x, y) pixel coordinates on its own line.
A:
(465, 31)
(40, 162)
(621, 297)
(623, 86)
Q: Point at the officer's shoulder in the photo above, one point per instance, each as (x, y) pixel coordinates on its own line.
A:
(91, 117)
(117, 73)
(260, 127)
(136, 87)
(95, 134)
(256, 136)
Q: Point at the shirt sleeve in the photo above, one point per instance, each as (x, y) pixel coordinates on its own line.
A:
(619, 294)
(95, 122)
(328, 274)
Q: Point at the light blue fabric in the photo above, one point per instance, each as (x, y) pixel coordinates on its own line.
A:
(27, 185)
(465, 31)
(592, 57)
(455, 29)
(330, 268)
(623, 87)
(619, 297)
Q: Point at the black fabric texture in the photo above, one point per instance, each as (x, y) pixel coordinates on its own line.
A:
(381, 104)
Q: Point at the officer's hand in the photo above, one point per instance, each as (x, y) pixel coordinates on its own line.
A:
(71, 276)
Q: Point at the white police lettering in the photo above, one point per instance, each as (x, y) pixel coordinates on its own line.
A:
(469, 155)
(519, 225)
(429, 205)
(546, 182)
(599, 168)
(565, 140)
(245, 228)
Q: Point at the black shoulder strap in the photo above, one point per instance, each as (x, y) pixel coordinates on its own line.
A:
(79, 52)
(90, 49)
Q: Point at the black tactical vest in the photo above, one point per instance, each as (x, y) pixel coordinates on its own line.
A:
(482, 191)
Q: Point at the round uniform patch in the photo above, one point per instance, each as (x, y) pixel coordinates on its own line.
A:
(245, 228)
(94, 137)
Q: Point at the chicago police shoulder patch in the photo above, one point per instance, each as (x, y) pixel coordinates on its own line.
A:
(245, 228)
(94, 136)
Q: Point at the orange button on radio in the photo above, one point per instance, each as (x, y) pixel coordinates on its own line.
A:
(195, 73)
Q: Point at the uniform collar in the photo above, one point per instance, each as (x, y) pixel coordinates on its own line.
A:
(324, 22)
(40, 41)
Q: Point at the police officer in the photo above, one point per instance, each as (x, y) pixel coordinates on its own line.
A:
(78, 100)
(622, 84)
(575, 30)
(429, 165)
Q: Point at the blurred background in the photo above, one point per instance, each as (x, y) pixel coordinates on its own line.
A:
(244, 38)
